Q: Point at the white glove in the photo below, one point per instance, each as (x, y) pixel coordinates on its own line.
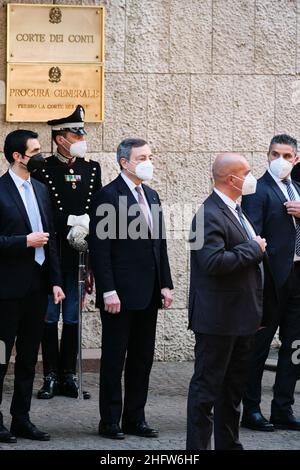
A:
(81, 220)
(76, 237)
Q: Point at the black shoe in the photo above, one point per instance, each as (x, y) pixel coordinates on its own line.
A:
(6, 436)
(69, 385)
(28, 430)
(49, 388)
(257, 422)
(112, 431)
(140, 429)
(86, 395)
(287, 421)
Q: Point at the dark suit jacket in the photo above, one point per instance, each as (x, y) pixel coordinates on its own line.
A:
(129, 266)
(296, 173)
(226, 293)
(16, 260)
(271, 220)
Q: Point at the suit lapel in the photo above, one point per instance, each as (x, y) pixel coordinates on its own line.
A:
(296, 186)
(274, 186)
(234, 220)
(150, 195)
(125, 191)
(152, 200)
(15, 195)
(228, 213)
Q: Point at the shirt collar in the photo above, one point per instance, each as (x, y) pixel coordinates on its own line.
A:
(130, 183)
(278, 180)
(63, 159)
(17, 179)
(228, 201)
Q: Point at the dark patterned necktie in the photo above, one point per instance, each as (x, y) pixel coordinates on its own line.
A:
(243, 221)
(292, 197)
(250, 237)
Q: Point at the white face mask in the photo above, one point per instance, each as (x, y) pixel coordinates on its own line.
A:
(281, 167)
(249, 184)
(144, 170)
(78, 149)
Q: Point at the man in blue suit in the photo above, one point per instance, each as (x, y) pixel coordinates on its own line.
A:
(133, 280)
(275, 211)
(29, 269)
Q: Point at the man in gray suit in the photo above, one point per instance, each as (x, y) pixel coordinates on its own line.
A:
(225, 306)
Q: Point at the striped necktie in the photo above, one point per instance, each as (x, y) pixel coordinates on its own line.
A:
(292, 197)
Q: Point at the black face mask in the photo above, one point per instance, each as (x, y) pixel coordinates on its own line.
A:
(36, 162)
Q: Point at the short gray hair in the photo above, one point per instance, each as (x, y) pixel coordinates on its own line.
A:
(125, 147)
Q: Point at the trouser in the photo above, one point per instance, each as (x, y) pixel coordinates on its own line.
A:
(287, 372)
(221, 367)
(23, 320)
(64, 361)
(127, 337)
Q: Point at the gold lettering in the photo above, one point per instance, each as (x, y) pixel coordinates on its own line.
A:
(82, 38)
(30, 92)
(55, 106)
(31, 37)
(56, 38)
(27, 106)
(72, 93)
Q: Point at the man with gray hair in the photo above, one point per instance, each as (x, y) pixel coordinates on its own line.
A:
(225, 306)
(133, 280)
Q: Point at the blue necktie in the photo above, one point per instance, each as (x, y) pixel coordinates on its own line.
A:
(34, 220)
(292, 197)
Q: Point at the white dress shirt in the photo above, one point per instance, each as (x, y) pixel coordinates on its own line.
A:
(282, 187)
(19, 182)
(231, 204)
(131, 185)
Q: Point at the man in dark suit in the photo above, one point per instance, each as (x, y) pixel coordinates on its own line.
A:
(275, 211)
(225, 305)
(28, 268)
(132, 274)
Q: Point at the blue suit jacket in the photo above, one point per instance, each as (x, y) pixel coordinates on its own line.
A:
(16, 260)
(267, 212)
(129, 266)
